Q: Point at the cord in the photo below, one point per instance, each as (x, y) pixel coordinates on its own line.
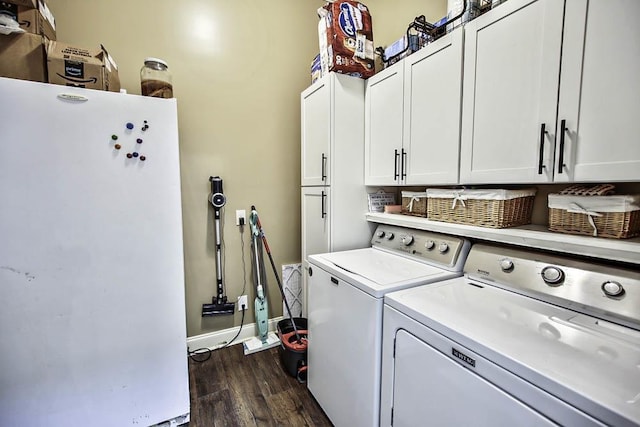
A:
(244, 265)
(206, 352)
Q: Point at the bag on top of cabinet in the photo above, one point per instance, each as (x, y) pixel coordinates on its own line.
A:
(345, 36)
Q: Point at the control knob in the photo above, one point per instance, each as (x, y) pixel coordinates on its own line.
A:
(430, 244)
(380, 233)
(407, 240)
(612, 289)
(390, 236)
(443, 247)
(552, 275)
(506, 264)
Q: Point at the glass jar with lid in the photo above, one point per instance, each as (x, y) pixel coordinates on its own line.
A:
(155, 79)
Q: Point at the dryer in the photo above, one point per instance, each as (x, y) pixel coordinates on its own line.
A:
(345, 304)
(524, 338)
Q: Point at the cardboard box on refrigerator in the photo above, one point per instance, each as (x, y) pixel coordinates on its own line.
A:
(345, 36)
(27, 3)
(80, 67)
(34, 18)
(23, 56)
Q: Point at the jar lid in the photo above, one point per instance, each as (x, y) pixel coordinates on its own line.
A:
(158, 60)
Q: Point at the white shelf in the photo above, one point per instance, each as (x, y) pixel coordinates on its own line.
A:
(533, 236)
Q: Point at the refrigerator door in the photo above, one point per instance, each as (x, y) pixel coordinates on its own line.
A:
(92, 324)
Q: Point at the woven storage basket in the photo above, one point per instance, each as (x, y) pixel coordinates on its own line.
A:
(615, 217)
(414, 203)
(483, 208)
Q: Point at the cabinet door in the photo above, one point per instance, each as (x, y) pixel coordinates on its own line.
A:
(432, 99)
(383, 126)
(510, 90)
(600, 92)
(316, 124)
(315, 221)
(344, 365)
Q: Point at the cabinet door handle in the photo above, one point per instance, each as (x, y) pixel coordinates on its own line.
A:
(334, 281)
(324, 167)
(563, 129)
(403, 169)
(395, 164)
(322, 211)
(543, 132)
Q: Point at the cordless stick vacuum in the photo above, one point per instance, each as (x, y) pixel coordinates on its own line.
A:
(219, 304)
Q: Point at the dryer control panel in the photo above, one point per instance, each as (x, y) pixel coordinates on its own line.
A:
(441, 250)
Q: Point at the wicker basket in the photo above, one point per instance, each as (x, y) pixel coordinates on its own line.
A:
(616, 217)
(414, 203)
(483, 208)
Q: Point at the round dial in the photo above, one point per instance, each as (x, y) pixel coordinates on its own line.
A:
(443, 247)
(430, 244)
(407, 240)
(552, 275)
(612, 289)
(380, 233)
(506, 264)
(390, 236)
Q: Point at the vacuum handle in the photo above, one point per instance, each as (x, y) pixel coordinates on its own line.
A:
(216, 184)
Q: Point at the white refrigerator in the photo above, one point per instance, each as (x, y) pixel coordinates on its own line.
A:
(92, 317)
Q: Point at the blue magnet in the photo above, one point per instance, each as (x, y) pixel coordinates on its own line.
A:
(135, 154)
(129, 125)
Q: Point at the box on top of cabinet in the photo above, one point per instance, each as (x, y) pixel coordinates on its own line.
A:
(32, 17)
(80, 67)
(345, 35)
(23, 56)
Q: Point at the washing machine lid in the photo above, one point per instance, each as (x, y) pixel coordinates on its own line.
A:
(589, 363)
(377, 272)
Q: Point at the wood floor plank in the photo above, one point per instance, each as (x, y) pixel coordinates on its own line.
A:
(231, 389)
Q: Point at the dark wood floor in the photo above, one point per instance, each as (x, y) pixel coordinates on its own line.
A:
(231, 389)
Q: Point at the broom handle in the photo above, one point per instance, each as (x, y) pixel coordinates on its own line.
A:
(275, 272)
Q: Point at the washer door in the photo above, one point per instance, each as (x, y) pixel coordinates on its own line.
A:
(432, 389)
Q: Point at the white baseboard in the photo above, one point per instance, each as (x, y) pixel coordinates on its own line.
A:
(217, 339)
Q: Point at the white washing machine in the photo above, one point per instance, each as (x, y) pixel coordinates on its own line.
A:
(345, 303)
(524, 339)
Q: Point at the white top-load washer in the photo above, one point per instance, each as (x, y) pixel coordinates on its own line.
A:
(345, 301)
(524, 338)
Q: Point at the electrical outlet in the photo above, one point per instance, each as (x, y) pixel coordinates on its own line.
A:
(242, 302)
(241, 217)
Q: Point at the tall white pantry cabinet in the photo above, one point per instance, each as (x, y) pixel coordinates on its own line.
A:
(334, 199)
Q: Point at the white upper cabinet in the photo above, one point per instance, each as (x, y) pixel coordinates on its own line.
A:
(510, 89)
(599, 101)
(432, 93)
(383, 126)
(316, 139)
(543, 103)
(412, 117)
